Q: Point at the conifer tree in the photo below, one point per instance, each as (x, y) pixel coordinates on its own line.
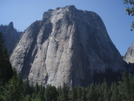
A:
(115, 96)
(51, 93)
(83, 95)
(13, 90)
(79, 92)
(132, 89)
(65, 93)
(127, 85)
(74, 94)
(91, 92)
(5, 66)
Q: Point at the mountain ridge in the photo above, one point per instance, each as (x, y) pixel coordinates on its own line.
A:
(11, 36)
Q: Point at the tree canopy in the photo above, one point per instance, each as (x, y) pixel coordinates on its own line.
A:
(130, 9)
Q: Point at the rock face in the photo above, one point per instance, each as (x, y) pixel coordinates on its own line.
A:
(66, 46)
(129, 56)
(11, 36)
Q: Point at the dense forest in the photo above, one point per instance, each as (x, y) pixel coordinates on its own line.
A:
(13, 88)
(17, 90)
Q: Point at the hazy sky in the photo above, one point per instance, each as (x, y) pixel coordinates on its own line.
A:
(112, 12)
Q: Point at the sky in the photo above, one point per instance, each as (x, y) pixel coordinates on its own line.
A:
(24, 12)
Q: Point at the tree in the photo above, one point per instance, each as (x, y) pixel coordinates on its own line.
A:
(91, 92)
(5, 66)
(51, 93)
(130, 10)
(13, 90)
(115, 96)
(83, 95)
(26, 88)
(105, 90)
(74, 94)
(132, 89)
(27, 98)
(63, 93)
(79, 92)
(125, 87)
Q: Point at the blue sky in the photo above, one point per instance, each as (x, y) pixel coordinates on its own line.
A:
(112, 12)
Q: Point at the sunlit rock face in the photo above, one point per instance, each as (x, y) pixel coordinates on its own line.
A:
(66, 46)
(11, 36)
(129, 56)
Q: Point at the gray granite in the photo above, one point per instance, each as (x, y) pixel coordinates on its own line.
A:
(66, 46)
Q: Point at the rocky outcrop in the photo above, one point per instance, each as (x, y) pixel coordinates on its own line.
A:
(66, 46)
(11, 36)
(129, 56)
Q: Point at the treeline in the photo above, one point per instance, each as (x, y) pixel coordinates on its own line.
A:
(17, 90)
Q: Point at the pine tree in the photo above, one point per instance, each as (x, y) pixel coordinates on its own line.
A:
(79, 92)
(83, 95)
(74, 94)
(27, 89)
(132, 89)
(127, 85)
(5, 66)
(27, 98)
(98, 92)
(115, 96)
(91, 92)
(51, 93)
(13, 90)
(105, 94)
(65, 93)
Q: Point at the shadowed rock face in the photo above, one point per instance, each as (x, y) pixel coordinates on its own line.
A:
(11, 36)
(66, 46)
(129, 56)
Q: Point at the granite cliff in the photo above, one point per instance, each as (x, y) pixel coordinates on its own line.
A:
(129, 56)
(66, 46)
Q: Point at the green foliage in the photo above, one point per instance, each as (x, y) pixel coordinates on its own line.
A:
(63, 93)
(17, 90)
(14, 89)
(114, 92)
(74, 94)
(130, 9)
(5, 66)
(51, 93)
